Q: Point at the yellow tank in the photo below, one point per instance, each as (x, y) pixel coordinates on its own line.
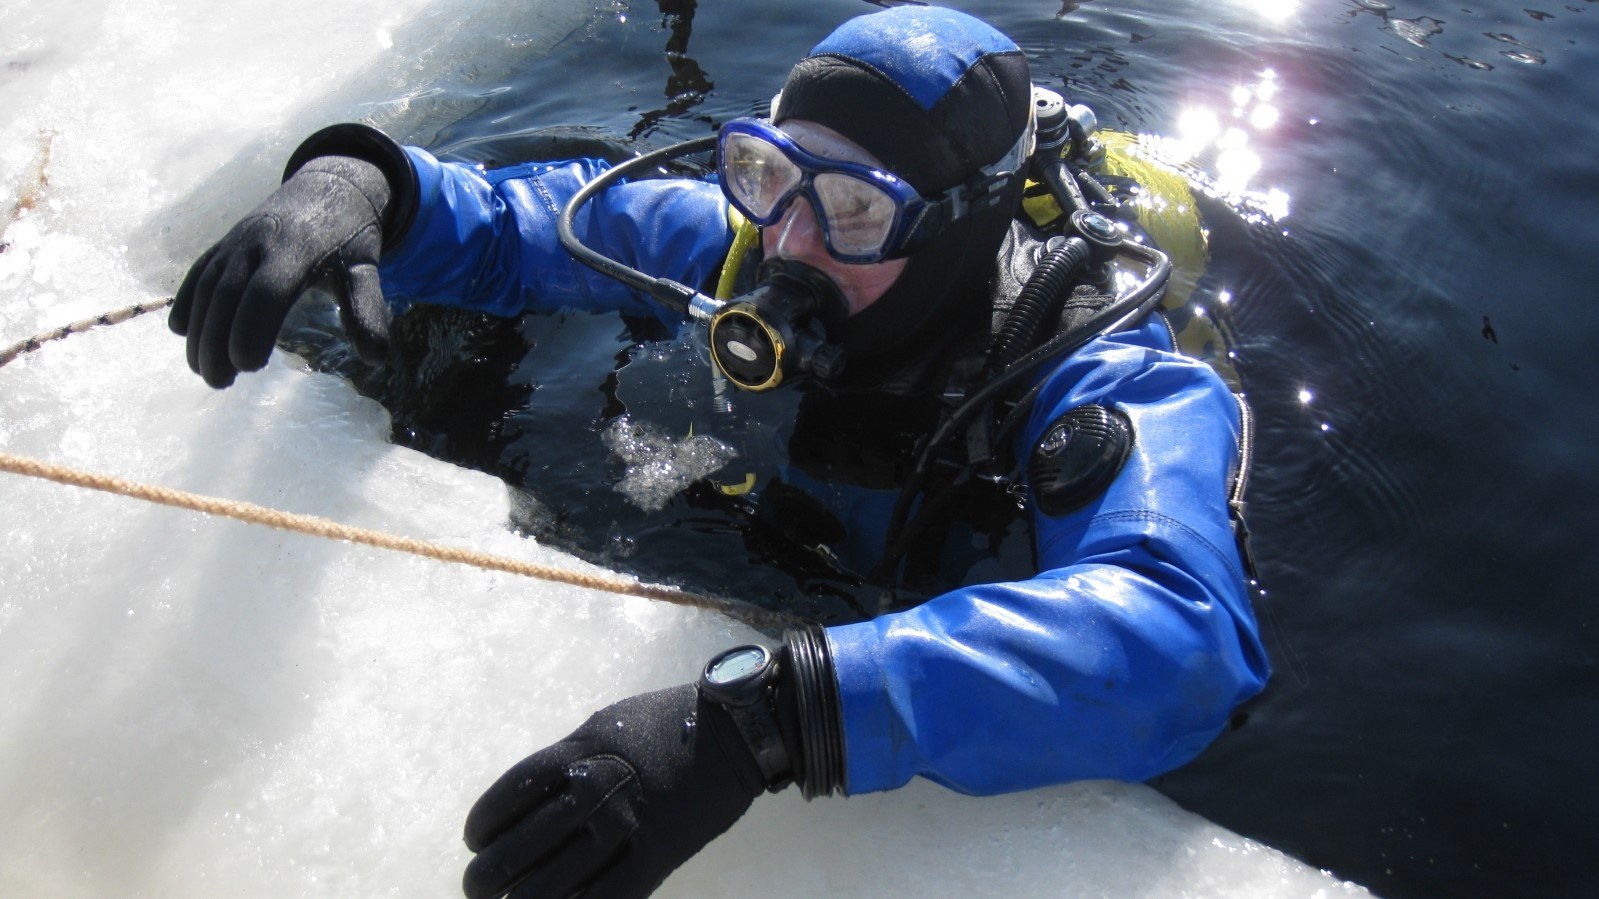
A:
(1167, 212)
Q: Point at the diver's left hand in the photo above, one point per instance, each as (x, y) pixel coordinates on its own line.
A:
(617, 805)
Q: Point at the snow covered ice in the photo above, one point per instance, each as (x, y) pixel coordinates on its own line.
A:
(197, 707)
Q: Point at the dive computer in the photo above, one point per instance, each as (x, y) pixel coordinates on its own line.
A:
(742, 681)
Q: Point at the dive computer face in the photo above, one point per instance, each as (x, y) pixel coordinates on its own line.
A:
(741, 681)
(737, 666)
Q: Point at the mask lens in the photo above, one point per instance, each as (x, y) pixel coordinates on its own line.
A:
(858, 215)
(758, 176)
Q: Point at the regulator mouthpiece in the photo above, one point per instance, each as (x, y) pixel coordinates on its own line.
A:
(779, 331)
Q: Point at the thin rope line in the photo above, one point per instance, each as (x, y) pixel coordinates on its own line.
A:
(110, 318)
(333, 530)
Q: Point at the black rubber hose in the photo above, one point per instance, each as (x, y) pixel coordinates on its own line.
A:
(1125, 310)
(1041, 296)
(904, 532)
(669, 293)
(1141, 300)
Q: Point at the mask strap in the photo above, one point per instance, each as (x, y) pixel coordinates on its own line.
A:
(981, 191)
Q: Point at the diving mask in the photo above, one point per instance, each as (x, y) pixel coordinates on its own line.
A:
(866, 214)
(786, 328)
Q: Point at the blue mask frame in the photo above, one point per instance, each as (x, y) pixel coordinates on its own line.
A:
(917, 220)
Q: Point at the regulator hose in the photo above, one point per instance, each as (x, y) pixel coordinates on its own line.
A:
(679, 298)
(1040, 298)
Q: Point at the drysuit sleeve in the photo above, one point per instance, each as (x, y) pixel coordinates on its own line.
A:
(1127, 652)
(486, 240)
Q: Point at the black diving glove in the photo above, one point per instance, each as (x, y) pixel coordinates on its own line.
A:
(615, 807)
(646, 783)
(323, 225)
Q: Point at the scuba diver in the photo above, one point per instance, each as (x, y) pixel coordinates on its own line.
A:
(869, 244)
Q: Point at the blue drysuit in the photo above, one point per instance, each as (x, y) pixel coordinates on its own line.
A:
(1121, 658)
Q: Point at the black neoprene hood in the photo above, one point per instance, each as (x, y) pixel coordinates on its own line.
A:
(935, 95)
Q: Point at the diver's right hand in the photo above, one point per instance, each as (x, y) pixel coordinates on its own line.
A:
(324, 225)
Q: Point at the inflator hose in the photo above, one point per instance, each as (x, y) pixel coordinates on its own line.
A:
(1040, 298)
(1126, 309)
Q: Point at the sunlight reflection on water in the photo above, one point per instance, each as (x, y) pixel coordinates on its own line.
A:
(1221, 156)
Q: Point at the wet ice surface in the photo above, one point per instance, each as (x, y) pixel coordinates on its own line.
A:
(196, 707)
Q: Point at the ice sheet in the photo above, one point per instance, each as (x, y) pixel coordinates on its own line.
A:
(195, 707)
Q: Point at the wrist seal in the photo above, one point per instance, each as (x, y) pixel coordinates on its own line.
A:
(786, 706)
(810, 688)
(371, 145)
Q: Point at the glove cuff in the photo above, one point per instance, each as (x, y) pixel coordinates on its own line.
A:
(809, 703)
(370, 145)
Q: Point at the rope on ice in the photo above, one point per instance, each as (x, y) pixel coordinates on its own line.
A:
(332, 530)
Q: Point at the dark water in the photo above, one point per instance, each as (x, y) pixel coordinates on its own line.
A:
(1414, 337)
